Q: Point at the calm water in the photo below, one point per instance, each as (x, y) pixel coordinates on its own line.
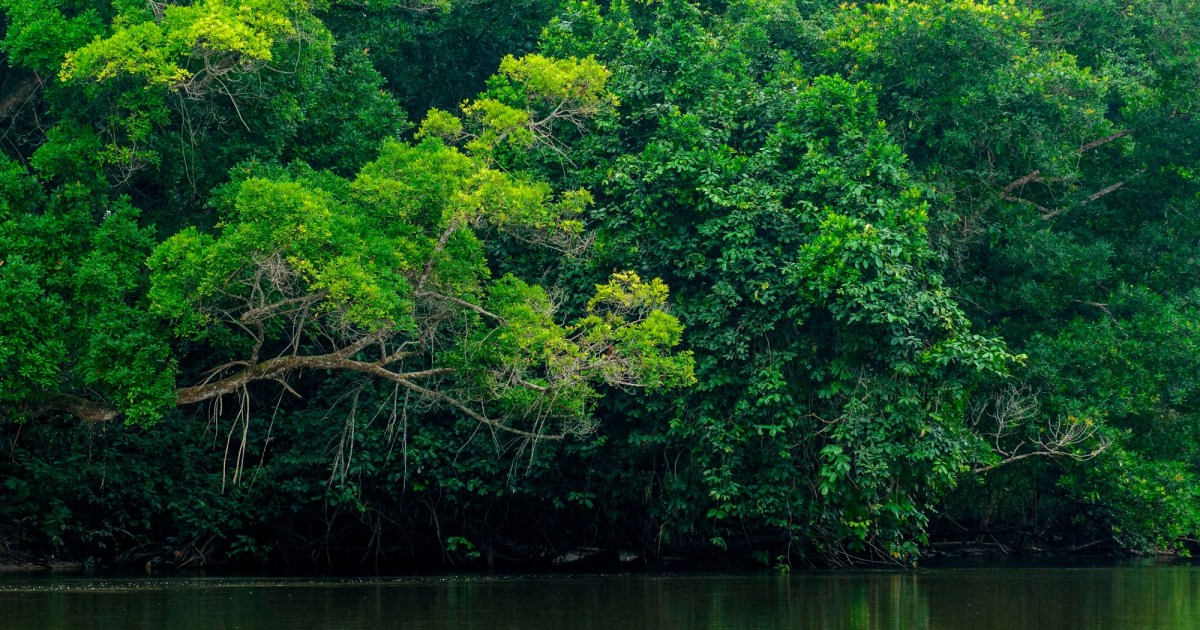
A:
(1049, 599)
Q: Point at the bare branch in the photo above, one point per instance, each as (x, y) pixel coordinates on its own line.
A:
(437, 250)
(81, 408)
(1095, 144)
(1034, 176)
(265, 311)
(463, 303)
(1110, 189)
(1020, 183)
(459, 405)
(1009, 412)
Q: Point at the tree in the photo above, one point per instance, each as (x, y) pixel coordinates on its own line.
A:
(314, 268)
(159, 106)
(1059, 158)
(833, 363)
(386, 276)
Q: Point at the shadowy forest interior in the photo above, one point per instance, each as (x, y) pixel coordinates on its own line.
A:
(425, 284)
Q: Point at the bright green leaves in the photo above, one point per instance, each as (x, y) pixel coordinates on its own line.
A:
(392, 259)
(186, 47)
(528, 102)
(440, 124)
(292, 275)
(395, 259)
(628, 313)
(190, 51)
(499, 123)
(574, 84)
(526, 356)
(140, 50)
(531, 364)
(291, 237)
(954, 25)
(247, 28)
(626, 293)
(177, 94)
(173, 292)
(414, 184)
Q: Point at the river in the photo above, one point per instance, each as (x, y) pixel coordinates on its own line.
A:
(1124, 597)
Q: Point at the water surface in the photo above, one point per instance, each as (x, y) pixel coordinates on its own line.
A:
(953, 599)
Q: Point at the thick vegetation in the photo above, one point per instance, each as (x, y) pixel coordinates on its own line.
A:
(782, 280)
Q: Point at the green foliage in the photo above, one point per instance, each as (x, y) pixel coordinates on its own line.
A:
(833, 364)
(380, 260)
(963, 85)
(158, 49)
(40, 34)
(436, 54)
(316, 236)
(528, 100)
(1057, 158)
(859, 209)
(78, 318)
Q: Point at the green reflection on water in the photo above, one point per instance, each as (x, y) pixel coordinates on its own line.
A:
(1052, 599)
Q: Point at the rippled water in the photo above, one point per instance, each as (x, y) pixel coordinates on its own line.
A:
(1043, 598)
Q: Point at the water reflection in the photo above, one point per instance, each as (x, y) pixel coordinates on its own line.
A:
(1156, 597)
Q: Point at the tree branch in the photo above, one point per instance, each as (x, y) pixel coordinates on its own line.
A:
(465, 304)
(81, 408)
(1095, 144)
(1110, 189)
(1034, 176)
(441, 245)
(459, 405)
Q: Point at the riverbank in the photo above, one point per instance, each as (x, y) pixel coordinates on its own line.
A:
(19, 567)
(940, 555)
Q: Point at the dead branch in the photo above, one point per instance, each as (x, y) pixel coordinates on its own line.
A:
(443, 240)
(1095, 144)
(1006, 419)
(277, 368)
(1110, 189)
(81, 408)
(1020, 182)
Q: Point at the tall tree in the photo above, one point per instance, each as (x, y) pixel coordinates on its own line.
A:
(833, 363)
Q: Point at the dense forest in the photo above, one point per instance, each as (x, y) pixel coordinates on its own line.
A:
(418, 284)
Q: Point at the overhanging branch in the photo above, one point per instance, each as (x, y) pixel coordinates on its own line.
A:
(81, 408)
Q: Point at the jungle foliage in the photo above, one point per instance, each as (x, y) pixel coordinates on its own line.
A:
(425, 284)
